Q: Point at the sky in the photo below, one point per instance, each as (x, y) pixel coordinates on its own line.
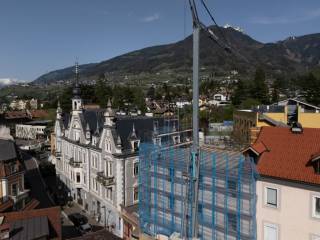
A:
(38, 36)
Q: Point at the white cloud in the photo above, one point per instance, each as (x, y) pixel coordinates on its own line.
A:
(151, 18)
(306, 16)
(6, 81)
(10, 81)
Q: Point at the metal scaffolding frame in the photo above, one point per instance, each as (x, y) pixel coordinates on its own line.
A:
(226, 197)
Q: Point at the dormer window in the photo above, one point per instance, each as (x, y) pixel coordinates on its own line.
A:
(315, 162)
(136, 145)
(135, 141)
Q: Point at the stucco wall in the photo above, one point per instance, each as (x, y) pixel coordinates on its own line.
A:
(310, 120)
(294, 213)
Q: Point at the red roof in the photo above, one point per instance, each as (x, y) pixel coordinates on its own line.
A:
(288, 154)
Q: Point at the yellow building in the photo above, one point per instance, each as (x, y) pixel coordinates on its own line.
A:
(283, 113)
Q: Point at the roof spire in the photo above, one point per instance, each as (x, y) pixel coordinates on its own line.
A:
(133, 135)
(97, 127)
(76, 89)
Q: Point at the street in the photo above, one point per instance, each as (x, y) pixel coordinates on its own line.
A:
(38, 190)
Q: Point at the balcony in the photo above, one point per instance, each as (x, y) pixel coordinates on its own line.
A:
(104, 180)
(16, 197)
(74, 163)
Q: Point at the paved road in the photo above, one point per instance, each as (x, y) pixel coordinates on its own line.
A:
(37, 185)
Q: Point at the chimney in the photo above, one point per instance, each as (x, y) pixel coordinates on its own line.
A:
(297, 128)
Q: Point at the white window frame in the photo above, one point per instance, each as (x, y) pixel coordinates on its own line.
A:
(266, 196)
(272, 225)
(313, 207)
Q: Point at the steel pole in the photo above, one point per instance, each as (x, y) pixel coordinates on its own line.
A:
(195, 128)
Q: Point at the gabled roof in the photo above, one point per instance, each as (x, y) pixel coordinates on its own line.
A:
(257, 148)
(288, 156)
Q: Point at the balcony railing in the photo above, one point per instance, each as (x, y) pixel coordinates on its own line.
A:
(104, 180)
(74, 163)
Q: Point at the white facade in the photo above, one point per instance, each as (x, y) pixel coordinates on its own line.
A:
(22, 104)
(287, 211)
(94, 165)
(25, 131)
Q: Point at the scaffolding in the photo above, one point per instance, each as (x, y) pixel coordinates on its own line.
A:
(227, 194)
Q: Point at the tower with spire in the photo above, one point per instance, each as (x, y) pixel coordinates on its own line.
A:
(109, 115)
(76, 99)
(59, 111)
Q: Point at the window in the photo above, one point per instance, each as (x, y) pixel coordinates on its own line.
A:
(271, 197)
(94, 184)
(136, 145)
(316, 206)
(270, 232)
(232, 221)
(78, 177)
(14, 189)
(14, 168)
(109, 193)
(135, 169)
(108, 169)
(84, 157)
(135, 194)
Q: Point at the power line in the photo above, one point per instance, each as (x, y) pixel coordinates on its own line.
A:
(212, 18)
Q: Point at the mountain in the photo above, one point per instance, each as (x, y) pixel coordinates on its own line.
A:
(171, 61)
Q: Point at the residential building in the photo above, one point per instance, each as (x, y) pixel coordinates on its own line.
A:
(286, 112)
(31, 130)
(12, 192)
(96, 158)
(219, 100)
(288, 190)
(21, 104)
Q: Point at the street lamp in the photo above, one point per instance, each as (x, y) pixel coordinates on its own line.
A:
(106, 220)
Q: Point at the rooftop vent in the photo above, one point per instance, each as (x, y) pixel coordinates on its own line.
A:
(296, 128)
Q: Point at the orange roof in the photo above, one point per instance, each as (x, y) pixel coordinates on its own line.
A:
(289, 154)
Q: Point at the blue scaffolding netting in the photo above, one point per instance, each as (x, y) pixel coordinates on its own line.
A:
(227, 194)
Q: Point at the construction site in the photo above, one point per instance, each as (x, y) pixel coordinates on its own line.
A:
(226, 201)
(191, 190)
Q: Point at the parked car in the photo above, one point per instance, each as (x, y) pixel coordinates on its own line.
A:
(80, 222)
(84, 228)
(78, 219)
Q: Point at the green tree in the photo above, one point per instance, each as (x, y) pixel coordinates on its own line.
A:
(311, 87)
(240, 93)
(102, 92)
(259, 89)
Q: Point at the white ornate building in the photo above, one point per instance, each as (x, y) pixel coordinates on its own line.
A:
(96, 157)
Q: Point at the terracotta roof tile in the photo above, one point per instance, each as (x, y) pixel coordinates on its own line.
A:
(289, 154)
